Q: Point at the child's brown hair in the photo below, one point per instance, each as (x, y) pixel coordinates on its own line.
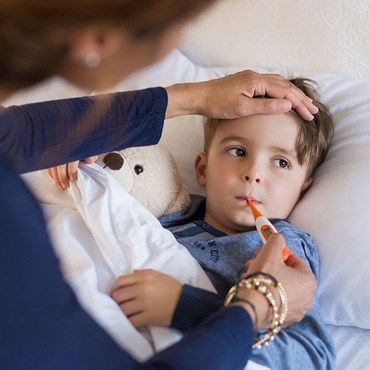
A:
(314, 137)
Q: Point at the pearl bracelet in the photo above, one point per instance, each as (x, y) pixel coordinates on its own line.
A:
(262, 282)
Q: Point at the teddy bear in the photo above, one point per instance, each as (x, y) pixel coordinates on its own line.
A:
(150, 174)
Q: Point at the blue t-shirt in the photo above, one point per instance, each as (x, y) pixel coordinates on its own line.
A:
(305, 345)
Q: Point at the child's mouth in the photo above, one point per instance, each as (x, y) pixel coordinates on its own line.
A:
(250, 198)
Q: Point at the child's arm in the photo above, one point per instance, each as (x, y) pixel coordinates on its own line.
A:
(159, 299)
(147, 297)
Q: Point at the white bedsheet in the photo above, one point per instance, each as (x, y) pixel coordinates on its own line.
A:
(99, 233)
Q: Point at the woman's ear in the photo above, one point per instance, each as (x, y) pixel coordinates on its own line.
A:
(200, 164)
(94, 41)
(98, 58)
(307, 184)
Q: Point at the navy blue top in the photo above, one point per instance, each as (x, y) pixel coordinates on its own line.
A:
(42, 326)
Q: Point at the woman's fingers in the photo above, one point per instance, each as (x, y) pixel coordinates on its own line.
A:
(63, 174)
(71, 174)
(295, 276)
(276, 95)
(54, 173)
(91, 160)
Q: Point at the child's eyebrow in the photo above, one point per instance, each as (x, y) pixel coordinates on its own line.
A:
(233, 138)
(291, 153)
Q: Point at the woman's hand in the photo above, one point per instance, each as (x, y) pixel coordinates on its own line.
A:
(231, 97)
(65, 173)
(295, 276)
(147, 297)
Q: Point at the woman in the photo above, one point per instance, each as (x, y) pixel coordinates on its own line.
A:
(94, 44)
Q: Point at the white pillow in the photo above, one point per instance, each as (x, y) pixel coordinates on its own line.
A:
(335, 210)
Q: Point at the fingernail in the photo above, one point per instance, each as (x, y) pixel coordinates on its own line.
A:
(285, 105)
(60, 188)
(315, 109)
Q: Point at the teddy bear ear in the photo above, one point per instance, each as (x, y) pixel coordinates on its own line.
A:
(114, 161)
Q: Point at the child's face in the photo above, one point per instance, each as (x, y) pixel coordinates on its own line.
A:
(252, 157)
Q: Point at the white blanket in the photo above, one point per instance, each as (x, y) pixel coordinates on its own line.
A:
(99, 233)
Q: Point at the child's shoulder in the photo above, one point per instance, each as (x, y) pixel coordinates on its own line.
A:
(195, 211)
(300, 242)
(289, 230)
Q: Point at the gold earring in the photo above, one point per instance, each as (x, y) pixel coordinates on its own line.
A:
(92, 59)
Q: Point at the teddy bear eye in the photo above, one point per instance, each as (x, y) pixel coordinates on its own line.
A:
(138, 169)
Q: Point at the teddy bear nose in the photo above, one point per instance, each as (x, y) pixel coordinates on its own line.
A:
(114, 161)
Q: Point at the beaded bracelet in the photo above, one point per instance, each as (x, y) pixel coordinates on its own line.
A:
(262, 282)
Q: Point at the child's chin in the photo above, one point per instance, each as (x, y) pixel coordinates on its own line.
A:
(246, 227)
(248, 223)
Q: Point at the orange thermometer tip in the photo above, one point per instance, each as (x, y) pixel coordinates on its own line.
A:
(262, 229)
(255, 211)
(286, 253)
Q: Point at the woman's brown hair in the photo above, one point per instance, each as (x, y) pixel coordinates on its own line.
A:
(35, 35)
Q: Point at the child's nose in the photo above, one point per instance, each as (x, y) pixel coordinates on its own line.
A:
(255, 178)
(252, 172)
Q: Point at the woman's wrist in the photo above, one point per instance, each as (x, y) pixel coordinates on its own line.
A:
(184, 98)
(264, 284)
(260, 314)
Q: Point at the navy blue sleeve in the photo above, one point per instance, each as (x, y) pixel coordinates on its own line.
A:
(194, 305)
(229, 336)
(41, 135)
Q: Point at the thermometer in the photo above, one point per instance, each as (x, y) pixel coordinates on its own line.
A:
(265, 227)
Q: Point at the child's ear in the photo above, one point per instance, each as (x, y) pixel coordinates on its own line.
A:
(200, 164)
(307, 184)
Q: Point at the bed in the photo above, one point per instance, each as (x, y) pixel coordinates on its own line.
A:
(327, 41)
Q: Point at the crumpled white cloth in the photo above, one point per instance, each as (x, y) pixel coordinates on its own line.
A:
(99, 232)
(105, 233)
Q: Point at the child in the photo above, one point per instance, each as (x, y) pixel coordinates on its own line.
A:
(271, 160)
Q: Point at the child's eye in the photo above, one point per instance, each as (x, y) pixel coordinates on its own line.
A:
(282, 163)
(237, 152)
